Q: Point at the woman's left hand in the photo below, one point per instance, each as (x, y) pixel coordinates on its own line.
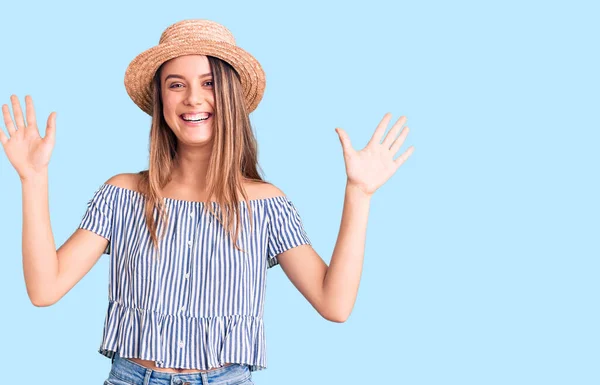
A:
(369, 168)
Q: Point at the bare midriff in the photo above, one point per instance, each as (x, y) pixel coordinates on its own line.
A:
(152, 365)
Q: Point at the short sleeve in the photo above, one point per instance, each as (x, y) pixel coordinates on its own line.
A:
(98, 217)
(286, 229)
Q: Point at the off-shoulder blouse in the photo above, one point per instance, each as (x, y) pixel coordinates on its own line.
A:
(197, 302)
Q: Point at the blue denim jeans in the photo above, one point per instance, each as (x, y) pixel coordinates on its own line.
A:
(126, 372)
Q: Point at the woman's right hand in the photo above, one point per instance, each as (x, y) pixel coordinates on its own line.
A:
(26, 150)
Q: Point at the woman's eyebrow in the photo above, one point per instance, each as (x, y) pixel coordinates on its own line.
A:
(182, 77)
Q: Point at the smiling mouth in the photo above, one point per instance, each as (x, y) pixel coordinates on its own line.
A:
(196, 120)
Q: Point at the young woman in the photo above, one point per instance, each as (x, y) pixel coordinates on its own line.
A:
(191, 238)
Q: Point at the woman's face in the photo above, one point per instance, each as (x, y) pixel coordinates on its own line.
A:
(188, 98)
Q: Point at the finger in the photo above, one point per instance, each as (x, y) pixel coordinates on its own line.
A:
(378, 134)
(3, 137)
(29, 111)
(50, 134)
(399, 140)
(10, 127)
(389, 138)
(402, 158)
(345, 140)
(17, 112)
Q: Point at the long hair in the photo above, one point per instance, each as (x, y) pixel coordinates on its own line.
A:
(234, 154)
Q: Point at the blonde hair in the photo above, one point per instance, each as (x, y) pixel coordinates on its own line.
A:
(234, 153)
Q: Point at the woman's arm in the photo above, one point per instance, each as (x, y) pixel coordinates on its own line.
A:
(332, 290)
(40, 262)
(49, 273)
(340, 286)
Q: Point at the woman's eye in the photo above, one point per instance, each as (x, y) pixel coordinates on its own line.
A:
(174, 85)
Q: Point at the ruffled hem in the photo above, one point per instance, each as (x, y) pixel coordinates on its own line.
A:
(178, 341)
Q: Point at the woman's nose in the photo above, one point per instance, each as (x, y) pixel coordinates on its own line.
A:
(194, 96)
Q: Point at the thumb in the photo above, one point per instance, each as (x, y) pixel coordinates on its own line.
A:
(50, 134)
(344, 139)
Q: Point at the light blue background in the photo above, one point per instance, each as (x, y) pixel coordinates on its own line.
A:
(481, 263)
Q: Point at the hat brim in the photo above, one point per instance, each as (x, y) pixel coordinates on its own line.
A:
(141, 70)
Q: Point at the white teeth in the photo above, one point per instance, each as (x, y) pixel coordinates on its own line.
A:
(202, 116)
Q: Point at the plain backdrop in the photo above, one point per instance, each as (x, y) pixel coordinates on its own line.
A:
(481, 263)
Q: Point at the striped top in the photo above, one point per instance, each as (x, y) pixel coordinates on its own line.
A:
(198, 302)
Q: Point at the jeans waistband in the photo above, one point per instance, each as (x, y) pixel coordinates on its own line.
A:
(135, 373)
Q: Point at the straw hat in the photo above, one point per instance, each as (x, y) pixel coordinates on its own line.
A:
(194, 37)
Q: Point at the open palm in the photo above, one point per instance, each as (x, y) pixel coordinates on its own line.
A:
(371, 167)
(26, 150)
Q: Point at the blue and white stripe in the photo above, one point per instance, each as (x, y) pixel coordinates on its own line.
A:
(196, 302)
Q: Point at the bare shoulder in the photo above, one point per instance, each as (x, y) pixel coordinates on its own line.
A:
(262, 190)
(126, 180)
(254, 189)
